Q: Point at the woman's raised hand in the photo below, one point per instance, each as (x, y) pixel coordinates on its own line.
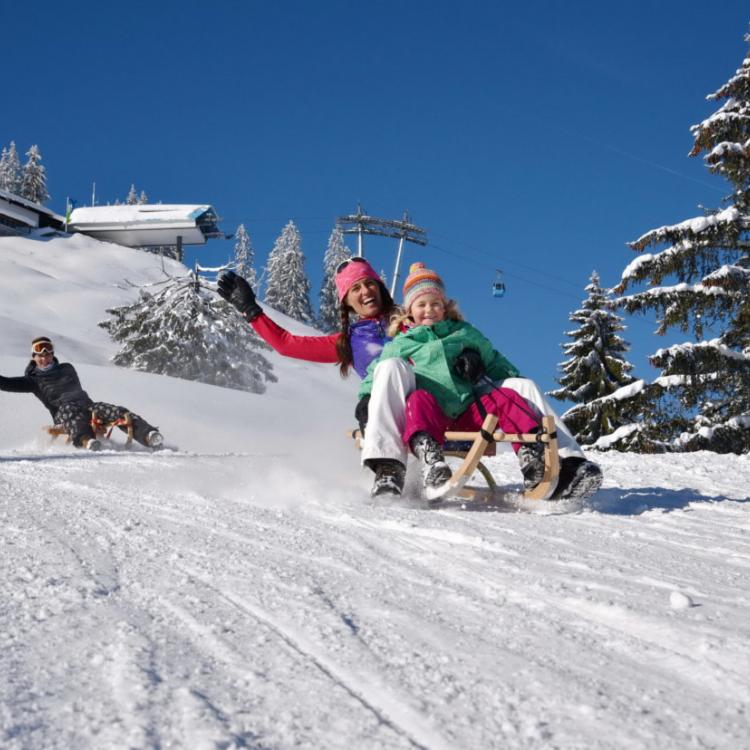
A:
(235, 290)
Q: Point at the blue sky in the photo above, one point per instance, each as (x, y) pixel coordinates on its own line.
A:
(537, 138)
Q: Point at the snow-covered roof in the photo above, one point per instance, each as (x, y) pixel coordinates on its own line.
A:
(148, 224)
(137, 214)
(27, 212)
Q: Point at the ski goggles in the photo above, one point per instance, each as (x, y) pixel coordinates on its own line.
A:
(341, 266)
(42, 347)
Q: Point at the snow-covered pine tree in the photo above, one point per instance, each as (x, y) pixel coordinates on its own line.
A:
(143, 198)
(10, 170)
(244, 257)
(705, 383)
(132, 199)
(287, 285)
(595, 367)
(336, 253)
(34, 177)
(190, 333)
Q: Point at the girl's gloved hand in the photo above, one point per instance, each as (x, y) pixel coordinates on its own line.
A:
(469, 366)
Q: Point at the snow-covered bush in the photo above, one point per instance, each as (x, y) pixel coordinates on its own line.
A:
(188, 332)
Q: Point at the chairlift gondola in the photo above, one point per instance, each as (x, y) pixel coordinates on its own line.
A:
(498, 285)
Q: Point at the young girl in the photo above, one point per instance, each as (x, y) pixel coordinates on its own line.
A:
(449, 357)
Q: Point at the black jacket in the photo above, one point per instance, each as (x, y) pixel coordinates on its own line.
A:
(53, 387)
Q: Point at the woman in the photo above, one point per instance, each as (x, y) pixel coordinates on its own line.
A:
(363, 295)
(57, 386)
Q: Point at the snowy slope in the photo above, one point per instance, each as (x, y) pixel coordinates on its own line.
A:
(243, 592)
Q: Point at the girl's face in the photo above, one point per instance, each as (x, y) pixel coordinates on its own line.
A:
(428, 309)
(364, 298)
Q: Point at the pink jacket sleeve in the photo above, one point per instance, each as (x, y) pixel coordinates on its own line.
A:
(310, 348)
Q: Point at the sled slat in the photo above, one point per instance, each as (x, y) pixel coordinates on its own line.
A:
(500, 437)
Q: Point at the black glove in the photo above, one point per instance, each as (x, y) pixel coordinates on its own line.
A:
(235, 290)
(469, 365)
(360, 412)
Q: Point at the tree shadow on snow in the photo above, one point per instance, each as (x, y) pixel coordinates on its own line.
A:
(617, 501)
(621, 501)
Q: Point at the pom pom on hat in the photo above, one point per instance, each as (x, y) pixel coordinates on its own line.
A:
(421, 280)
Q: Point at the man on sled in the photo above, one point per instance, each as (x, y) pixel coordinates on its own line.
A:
(74, 413)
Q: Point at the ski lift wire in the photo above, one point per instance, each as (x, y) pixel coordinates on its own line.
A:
(511, 261)
(482, 264)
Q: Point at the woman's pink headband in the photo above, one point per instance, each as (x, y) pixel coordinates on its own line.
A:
(350, 272)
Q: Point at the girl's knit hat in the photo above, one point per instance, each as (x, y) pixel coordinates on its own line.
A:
(350, 272)
(421, 280)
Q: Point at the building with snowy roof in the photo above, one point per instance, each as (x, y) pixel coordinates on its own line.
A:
(148, 226)
(21, 216)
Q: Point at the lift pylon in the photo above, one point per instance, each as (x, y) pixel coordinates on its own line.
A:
(361, 224)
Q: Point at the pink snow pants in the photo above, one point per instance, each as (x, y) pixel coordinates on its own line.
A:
(515, 414)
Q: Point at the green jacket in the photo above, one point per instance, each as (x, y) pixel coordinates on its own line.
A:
(432, 352)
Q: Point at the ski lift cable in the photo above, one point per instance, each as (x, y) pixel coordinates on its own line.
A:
(643, 316)
(513, 262)
(483, 264)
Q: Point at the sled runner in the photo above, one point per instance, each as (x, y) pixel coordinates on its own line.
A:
(101, 428)
(473, 446)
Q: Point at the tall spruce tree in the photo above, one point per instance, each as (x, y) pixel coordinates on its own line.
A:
(132, 197)
(34, 177)
(244, 256)
(703, 394)
(187, 332)
(595, 368)
(336, 253)
(287, 285)
(10, 170)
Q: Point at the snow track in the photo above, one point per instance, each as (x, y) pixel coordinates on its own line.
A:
(173, 600)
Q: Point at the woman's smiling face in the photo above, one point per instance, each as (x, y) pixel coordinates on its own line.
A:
(364, 298)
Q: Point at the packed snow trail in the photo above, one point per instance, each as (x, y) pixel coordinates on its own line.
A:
(153, 601)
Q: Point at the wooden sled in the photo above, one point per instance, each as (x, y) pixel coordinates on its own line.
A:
(101, 428)
(473, 446)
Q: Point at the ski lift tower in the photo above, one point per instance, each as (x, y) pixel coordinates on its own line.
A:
(404, 231)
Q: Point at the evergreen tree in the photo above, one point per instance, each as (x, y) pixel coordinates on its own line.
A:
(143, 198)
(336, 254)
(132, 199)
(244, 256)
(287, 285)
(704, 389)
(595, 367)
(4, 170)
(34, 177)
(10, 170)
(184, 331)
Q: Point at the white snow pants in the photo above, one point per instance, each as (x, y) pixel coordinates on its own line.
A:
(393, 381)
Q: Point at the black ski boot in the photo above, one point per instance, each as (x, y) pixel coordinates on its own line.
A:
(579, 478)
(435, 471)
(531, 458)
(389, 477)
